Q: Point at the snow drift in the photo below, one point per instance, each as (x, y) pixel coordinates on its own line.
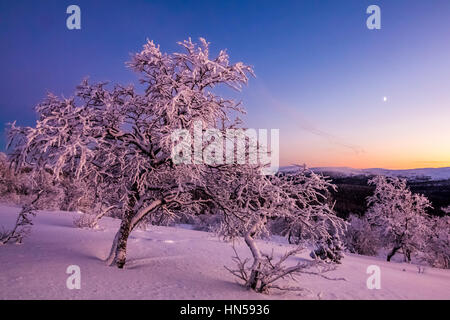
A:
(176, 263)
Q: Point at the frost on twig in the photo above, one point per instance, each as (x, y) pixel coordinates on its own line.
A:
(91, 221)
(23, 224)
(269, 271)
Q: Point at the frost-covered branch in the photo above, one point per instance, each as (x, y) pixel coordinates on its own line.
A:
(248, 201)
(23, 224)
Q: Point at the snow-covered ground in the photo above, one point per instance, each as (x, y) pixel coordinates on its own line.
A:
(175, 263)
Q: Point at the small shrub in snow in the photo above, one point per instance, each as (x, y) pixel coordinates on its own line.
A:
(90, 220)
(207, 222)
(329, 250)
(85, 220)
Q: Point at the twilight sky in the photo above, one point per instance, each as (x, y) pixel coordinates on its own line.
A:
(321, 74)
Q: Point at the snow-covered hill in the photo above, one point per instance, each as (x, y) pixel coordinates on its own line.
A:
(175, 263)
(411, 174)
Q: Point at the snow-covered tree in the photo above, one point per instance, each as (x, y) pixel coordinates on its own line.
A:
(119, 140)
(398, 215)
(120, 137)
(360, 237)
(249, 201)
(437, 248)
(14, 186)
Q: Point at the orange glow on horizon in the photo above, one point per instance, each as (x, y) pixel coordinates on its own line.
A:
(316, 157)
(367, 164)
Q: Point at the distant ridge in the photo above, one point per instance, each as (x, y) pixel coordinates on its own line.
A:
(410, 174)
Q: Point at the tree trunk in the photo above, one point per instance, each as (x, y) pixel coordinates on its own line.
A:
(118, 253)
(254, 279)
(407, 254)
(390, 255)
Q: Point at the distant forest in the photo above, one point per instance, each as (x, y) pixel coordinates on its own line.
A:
(352, 193)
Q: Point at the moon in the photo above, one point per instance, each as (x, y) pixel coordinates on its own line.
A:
(384, 99)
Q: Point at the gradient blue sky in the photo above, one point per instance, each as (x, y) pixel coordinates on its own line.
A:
(321, 74)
